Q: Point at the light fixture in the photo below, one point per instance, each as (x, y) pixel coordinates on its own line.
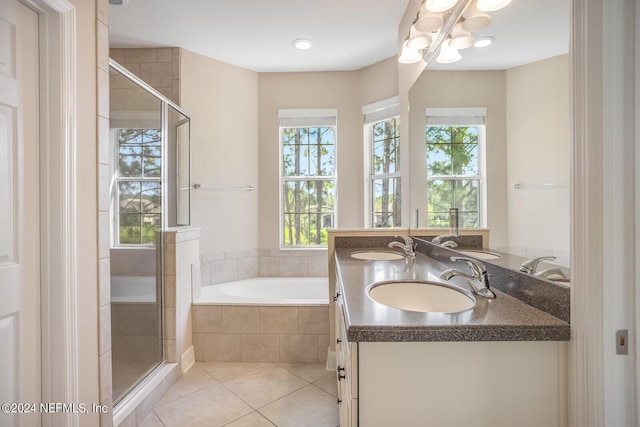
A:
(492, 5)
(302, 44)
(443, 27)
(448, 54)
(484, 41)
(460, 39)
(408, 55)
(428, 21)
(475, 19)
(418, 40)
(440, 5)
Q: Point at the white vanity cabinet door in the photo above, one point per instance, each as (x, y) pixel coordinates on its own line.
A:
(480, 384)
(347, 368)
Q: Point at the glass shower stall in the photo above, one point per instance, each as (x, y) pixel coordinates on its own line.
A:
(149, 193)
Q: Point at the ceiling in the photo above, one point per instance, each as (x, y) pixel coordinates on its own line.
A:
(257, 34)
(346, 34)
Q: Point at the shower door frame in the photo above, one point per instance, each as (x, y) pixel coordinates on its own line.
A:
(165, 104)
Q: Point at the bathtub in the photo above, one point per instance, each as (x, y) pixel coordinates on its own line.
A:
(268, 291)
(139, 289)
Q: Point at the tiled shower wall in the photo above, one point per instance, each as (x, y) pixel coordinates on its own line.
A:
(220, 267)
(159, 68)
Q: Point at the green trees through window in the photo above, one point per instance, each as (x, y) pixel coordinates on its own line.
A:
(385, 173)
(138, 180)
(308, 199)
(453, 174)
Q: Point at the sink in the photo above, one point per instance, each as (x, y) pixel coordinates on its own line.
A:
(377, 255)
(421, 296)
(480, 254)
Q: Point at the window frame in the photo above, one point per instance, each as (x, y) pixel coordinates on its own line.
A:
(461, 117)
(374, 113)
(117, 179)
(305, 119)
(371, 176)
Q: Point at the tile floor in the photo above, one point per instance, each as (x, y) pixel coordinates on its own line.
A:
(249, 394)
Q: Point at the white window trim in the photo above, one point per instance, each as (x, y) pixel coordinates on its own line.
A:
(306, 117)
(373, 113)
(115, 202)
(465, 116)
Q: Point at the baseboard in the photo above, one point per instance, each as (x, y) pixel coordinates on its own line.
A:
(331, 360)
(188, 359)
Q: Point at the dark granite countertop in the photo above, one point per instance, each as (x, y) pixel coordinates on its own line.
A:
(502, 319)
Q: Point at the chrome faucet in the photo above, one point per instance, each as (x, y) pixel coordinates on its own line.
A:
(438, 239)
(449, 244)
(408, 246)
(478, 280)
(530, 265)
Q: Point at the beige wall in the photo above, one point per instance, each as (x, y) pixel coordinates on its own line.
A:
(347, 91)
(538, 135)
(221, 100)
(464, 89)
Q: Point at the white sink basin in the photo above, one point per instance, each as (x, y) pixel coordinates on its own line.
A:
(376, 255)
(422, 296)
(480, 254)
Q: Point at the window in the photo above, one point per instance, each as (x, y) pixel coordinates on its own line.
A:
(382, 139)
(138, 188)
(308, 171)
(454, 139)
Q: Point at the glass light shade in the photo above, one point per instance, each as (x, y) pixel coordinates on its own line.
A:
(474, 19)
(460, 39)
(440, 5)
(428, 21)
(448, 54)
(492, 5)
(418, 40)
(408, 55)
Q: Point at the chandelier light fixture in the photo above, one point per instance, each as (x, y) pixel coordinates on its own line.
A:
(446, 26)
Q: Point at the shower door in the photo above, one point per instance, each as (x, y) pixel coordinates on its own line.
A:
(137, 169)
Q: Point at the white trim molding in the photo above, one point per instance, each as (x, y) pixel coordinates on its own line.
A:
(602, 386)
(59, 321)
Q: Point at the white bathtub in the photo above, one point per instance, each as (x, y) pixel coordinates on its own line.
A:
(140, 289)
(268, 291)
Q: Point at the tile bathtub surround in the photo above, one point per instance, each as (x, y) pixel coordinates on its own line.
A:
(232, 333)
(221, 267)
(249, 394)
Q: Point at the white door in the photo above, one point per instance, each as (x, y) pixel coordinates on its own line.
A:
(19, 213)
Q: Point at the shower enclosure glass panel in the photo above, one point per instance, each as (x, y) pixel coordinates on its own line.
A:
(138, 169)
(179, 165)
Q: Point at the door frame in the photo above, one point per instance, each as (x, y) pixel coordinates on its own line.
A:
(58, 195)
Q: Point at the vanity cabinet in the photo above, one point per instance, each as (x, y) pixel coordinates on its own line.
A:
(346, 370)
(474, 383)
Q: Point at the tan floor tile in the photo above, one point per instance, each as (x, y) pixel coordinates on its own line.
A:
(151, 420)
(213, 406)
(254, 419)
(306, 407)
(328, 384)
(193, 380)
(224, 371)
(309, 372)
(264, 385)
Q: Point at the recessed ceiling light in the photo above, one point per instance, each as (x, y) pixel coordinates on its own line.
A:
(302, 43)
(484, 41)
